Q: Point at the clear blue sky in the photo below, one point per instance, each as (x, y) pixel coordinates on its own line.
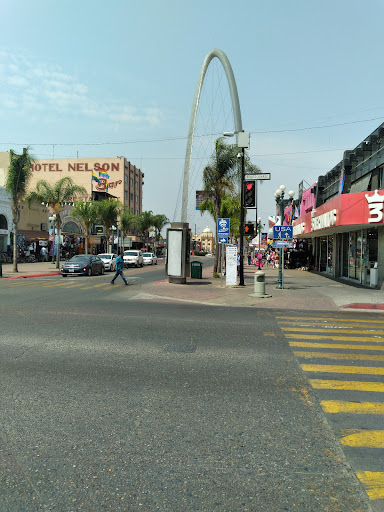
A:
(81, 72)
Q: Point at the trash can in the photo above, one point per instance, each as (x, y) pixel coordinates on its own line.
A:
(196, 270)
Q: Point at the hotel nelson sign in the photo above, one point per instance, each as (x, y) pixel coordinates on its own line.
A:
(76, 167)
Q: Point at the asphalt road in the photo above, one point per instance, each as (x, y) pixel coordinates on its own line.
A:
(108, 403)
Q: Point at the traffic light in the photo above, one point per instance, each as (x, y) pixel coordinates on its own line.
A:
(249, 229)
(249, 194)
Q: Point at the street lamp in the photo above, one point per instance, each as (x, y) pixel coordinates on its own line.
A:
(279, 197)
(242, 143)
(259, 229)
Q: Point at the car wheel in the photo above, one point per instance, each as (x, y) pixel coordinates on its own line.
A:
(137, 265)
(102, 271)
(64, 275)
(89, 272)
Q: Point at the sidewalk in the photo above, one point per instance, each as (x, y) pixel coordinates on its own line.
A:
(302, 290)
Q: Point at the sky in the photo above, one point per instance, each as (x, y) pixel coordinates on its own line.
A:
(92, 78)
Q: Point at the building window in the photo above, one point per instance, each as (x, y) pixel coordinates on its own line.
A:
(125, 194)
(136, 185)
(131, 197)
(136, 199)
(131, 182)
(125, 178)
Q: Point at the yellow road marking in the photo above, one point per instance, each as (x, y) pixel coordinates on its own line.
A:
(331, 355)
(328, 325)
(339, 406)
(363, 438)
(325, 368)
(304, 344)
(374, 481)
(330, 319)
(101, 284)
(350, 385)
(330, 336)
(355, 331)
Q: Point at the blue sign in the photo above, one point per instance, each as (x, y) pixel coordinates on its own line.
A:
(282, 232)
(222, 228)
(223, 240)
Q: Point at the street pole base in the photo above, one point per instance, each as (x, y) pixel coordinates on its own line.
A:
(279, 287)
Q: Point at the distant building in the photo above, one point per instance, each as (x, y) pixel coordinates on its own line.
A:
(204, 242)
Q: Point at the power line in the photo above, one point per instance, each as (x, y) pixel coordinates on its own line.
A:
(147, 141)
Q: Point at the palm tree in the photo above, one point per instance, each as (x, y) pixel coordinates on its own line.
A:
(128, 222)
(86, 212)
(158, 222)
(18, 176)
(144, 223)
(55, 195)
(107, 213)
(218, 178)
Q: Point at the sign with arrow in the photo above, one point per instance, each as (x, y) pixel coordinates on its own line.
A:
(223, 240)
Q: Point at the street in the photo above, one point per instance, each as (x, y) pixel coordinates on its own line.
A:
(113, 402)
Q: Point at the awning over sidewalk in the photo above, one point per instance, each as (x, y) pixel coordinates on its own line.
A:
(33, 235)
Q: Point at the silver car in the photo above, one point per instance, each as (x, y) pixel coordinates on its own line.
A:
(149, 258)
(109, 259)
(133, 258)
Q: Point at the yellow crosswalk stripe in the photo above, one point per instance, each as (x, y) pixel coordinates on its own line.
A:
(97, 285)
(374, 482)
(305, 344)
(362, 438)
(339, 406)
(326, 320)
(331, 355)
(328, 325)
(347, 385)
(331, 336)
(324, 368)
(355, 331)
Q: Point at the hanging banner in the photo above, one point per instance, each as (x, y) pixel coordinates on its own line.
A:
(231, 265)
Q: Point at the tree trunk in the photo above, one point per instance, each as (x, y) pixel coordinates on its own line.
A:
(58, 236)
(14, 247)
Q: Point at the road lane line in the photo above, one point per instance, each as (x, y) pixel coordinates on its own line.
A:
(330, 319)
(374, 482)
(304, 344)
(331, 355)
(362, 438)
(324, 368)
(340, 406)
(347, 385)
(332, 329)
(330, 336)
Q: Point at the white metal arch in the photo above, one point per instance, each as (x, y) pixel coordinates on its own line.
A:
(236, 114)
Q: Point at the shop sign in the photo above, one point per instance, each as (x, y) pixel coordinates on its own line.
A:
(326, 220)
(375, 205)
(3, 231)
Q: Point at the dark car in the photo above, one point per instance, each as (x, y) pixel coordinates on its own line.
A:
(83, 265)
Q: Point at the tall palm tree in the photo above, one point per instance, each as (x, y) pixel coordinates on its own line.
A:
(158, 222)
(18, 176)
(107, 213)
(144, 223)
(218, 179)
(128, 222)
(86, 212)
(55, 195)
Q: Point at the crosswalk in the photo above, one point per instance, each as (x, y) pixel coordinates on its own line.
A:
(343, 359)
(96, 282)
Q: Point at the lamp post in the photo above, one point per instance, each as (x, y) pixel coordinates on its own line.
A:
(113, 229)
(53, 219)
(242, 143)
(259, 229)
(279, 197)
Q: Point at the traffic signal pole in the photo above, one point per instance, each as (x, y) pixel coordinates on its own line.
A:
(241, 268)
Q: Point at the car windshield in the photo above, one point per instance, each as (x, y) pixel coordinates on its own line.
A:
(105, 256)
(147, 255)
(130, 253)
(80, 257)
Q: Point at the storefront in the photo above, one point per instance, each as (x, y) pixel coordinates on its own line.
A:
(346, 234)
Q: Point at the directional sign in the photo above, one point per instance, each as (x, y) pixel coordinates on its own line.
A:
(260, 176)
(223, 227)
(282, 232)
(282, 244)
(223, 240)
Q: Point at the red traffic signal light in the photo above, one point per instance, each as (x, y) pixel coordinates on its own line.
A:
(249, 229)
(249, 194)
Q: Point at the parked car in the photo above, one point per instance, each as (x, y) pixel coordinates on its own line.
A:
(108, 258)
(133, 258)
(149, 258)
(83, 264)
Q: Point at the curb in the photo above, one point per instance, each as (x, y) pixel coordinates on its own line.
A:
(33, 275)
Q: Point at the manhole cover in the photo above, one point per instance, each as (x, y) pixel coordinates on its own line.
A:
(180, 348)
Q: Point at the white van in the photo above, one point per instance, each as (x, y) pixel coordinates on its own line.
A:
(133, 258)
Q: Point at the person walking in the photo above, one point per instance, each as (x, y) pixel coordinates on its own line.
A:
(43, 253)
(119, 265)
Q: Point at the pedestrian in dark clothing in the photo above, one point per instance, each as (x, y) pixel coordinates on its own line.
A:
(119, 265)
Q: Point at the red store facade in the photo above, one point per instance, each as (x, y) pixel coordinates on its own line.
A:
(347, 237)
